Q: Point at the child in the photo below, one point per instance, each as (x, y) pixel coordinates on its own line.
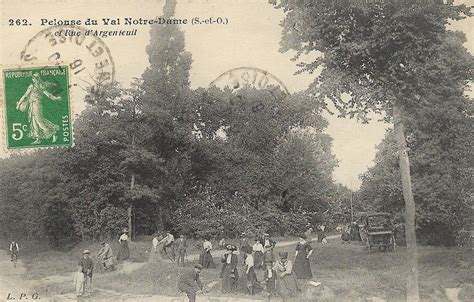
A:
(270, 279)
(79, 281)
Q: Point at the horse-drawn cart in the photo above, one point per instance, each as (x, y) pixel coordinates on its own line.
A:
(379, 232)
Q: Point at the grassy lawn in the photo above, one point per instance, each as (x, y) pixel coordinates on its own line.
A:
(347, 269)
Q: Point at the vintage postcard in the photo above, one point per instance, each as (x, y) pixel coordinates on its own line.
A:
(244, 150)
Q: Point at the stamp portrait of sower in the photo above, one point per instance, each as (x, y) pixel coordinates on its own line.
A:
(37, 107)
(31, 102)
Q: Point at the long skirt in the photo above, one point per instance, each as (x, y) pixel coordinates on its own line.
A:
(287, 286)
(206, 260)
(302, 267)
(258, 260)
(249, 283)
(230, 277)
(155, 256)
(123, 252)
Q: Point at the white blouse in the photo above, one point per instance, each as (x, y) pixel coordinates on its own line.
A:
(249, 261)
(123, 237)
(258, 247)
(207, 245)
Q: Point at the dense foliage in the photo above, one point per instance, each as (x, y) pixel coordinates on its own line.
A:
(375, 55)
(193, 161)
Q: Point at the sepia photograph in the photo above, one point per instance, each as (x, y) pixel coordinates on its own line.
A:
(237, 150)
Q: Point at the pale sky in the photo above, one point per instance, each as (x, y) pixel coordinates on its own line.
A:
(250, 39)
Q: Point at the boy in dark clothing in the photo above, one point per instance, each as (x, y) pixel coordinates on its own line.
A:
(270, 278)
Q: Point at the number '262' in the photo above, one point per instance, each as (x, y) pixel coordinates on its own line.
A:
(18, 131)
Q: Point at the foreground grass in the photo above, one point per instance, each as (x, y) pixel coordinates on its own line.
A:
(352, 273)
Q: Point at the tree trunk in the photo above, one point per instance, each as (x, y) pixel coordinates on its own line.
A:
(413, 294)
(130, 208)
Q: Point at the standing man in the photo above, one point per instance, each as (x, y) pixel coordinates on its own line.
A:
(87, 267)
(168, 247)
(190, 283)
(181, 245)
(14, 248)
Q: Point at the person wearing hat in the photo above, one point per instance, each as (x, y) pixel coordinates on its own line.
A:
(268, 245)
(286, 280)
(258, 253)
(229, 273)
(105, 256)
(87, 267)
(190, 283)
(270, 276)
(302, 267)
(181, 246)
(123, 252)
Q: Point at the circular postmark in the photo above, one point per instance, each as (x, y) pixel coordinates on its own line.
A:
(88, 57)
(240, 77)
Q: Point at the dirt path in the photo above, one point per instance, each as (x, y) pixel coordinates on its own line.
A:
(12, 281)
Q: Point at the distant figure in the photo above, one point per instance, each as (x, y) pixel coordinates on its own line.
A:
(190, 283)
(244, 245)
(302, 267)
(309, 233)
(287, 284)
(181, 246)
(222, 244)
(258, 253)
(79, 281)
(155, 242)
(87, 267)
(105, 256)
(355, 232)
(168, 247)
(14, 249)
(321, 232)
(155, 256)
(268, 245)
(346, 236)
(205, 259)
(229, 273)
(123, 252)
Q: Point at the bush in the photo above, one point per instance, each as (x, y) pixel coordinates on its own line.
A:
(202, 218)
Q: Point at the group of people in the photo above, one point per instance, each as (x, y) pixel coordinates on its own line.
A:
(252, 269)
(248, 268)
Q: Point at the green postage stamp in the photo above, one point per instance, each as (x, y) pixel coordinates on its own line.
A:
(37, 107)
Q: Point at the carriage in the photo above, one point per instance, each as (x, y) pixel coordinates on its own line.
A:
(379, 232)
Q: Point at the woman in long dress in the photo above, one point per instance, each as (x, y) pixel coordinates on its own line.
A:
(123, 252)
(155, 256)
(205, 259)
(40, 127)
(249, 279)
(258, 254)
(286, 280)
(302, 267)
(229, 273)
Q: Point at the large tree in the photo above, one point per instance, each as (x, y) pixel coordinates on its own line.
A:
(379, 56)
